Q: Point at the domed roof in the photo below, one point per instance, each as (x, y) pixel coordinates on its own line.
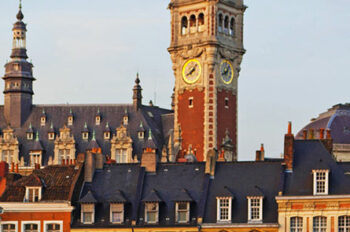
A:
(337, 119)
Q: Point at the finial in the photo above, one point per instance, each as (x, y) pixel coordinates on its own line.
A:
(20, 4)
(93, 135)
(30, 125)
(150, 134)
(51, 125)
(141, 125)
(85, 125)
(43, 111)
(107, 125)
(20, 15)
(126, 112)
(137, 80)
(37, 136)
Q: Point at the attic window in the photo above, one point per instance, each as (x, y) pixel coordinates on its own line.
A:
(224, 209)
(87, 213)
(141, 134)
(151, 212)
(107, 135)
(85, 135)
(190, 102)
(42, 121)
(255, 210)
(226, 102)
(182, 212)
(35, 158)
(29, 135)
(33, 194)
(125, 120)
(70, 120)
(117, 213)
(98, 120)
(320, 182)
(51, 136)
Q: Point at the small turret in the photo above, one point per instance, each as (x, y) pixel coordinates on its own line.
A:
(137, 94)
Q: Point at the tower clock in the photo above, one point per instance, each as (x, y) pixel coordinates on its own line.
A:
(206, 51)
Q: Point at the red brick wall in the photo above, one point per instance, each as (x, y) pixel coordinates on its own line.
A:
(226, 117)
(192, 121)
(41, 216)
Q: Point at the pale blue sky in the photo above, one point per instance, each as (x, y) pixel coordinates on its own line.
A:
(85, 51)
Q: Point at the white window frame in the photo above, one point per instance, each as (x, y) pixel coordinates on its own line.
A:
(82, 214)
(85, 135)
(123, 155)
(320, 227)
(30, 135)
(98, 120)
(42, 121)
(9, 222)
(315, 181)
(53, 222)
(125, 120)
(141, 134)
(70, 120)
(157, 213)
(250, 209)
(111, 213)
(190, 102)
(51, 135)
(30, 222)
(107, 135)
(182, 210)
(218, 209)
(27, 194)
(298, 227)
(31, 155)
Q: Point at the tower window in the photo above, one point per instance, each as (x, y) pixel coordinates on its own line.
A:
(226, 22)
(226, 102)
(192, 24)
(232, 27)
(190, 102)
(184, 25)
(29, 135)
(220, 22)
(201, 22)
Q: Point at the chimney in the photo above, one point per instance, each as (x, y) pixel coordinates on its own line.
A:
(210, 163)
(322, 133)
(149, 160)
(37, 166)
(328, 142)
(289, 148)
(12, 167)
(4, 169)
(89, 167)
(16, 169)
(99, 160)
(81, 158)
(260, 154)
(311, 133)
(304, 134)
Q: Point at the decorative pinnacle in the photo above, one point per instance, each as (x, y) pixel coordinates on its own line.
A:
(20, 15)
(141, 125)
(37, 136)
(30, 125)
(51, 125)
(93, 135)
(150, 134)
(137, 80)
(85, 125)
(107, 125)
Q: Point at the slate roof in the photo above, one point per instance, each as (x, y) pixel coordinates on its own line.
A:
(56, 182)
(337, 119)
(310, 155)
(111, 114)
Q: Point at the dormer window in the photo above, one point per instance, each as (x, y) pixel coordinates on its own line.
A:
(107, 135)
(33, 194)
(70, 120)
(320, 182)
(125, 120)
(141, 134)
(151, 212)
(182, 212)
(224, 209)
(85, 135)
(87, 213)
(30, 135)
(117, 213)
(43, 120)
(51, 135)
(98, 120)
(255, 209)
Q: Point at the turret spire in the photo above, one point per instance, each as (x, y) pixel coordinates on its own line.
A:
(137, 93)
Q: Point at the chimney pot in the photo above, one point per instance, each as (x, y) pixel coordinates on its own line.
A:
(304, 134)
(37, 166)
(322, 133)
(328, 132)
(289, 127)
(12, 167)
(16, 169)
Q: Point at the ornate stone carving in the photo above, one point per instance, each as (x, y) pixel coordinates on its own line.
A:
(122, 143)
(64, 146)
(9, 149)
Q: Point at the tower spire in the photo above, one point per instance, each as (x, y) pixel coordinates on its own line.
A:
(18, 77)
(137, 93)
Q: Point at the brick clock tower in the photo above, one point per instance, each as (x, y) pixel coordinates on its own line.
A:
(206, 50)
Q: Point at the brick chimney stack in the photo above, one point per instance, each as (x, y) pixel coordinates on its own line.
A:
(4, 169)
(260, 154)
(328, 141)
(289, 148)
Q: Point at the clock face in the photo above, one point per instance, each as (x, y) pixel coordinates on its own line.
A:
(226, 72)
(191, 71)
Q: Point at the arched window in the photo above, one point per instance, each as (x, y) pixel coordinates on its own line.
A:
(343, 223)
(184, 25)
(226, 22)
(319, 224)
(193, 24)
(296, 224)
(220, 19)
(201, 22)
(232, 27)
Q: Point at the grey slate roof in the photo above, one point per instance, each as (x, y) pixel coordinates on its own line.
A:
(57, 116)
(88, 198)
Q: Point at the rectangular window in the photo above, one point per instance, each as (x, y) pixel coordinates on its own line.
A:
(98, 120)
(53, 227)
(226, 103)
(87, 213)
(224, 209)
(8, 227)
(70, 120)
(33, 194)
(320, 182)
(182, 212)
(344, 223)
(7, 156)
(117, 213)
(85, 135)
(31, 227)
(151, 212)
(121, 156)
(51, 136)
(190, 102)
(42, 121)
(35, 158)
(63, 154)
(296, 224)
(107, 135)
(319, 224)
(255, 209)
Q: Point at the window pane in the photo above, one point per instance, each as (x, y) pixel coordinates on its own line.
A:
(344, 223)
(182, 216)
(296, 224)
(87, 217)
(224, 205)
(53, 227)
(9, 228)
(30, 227)
(117, 217)
(151, 216)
